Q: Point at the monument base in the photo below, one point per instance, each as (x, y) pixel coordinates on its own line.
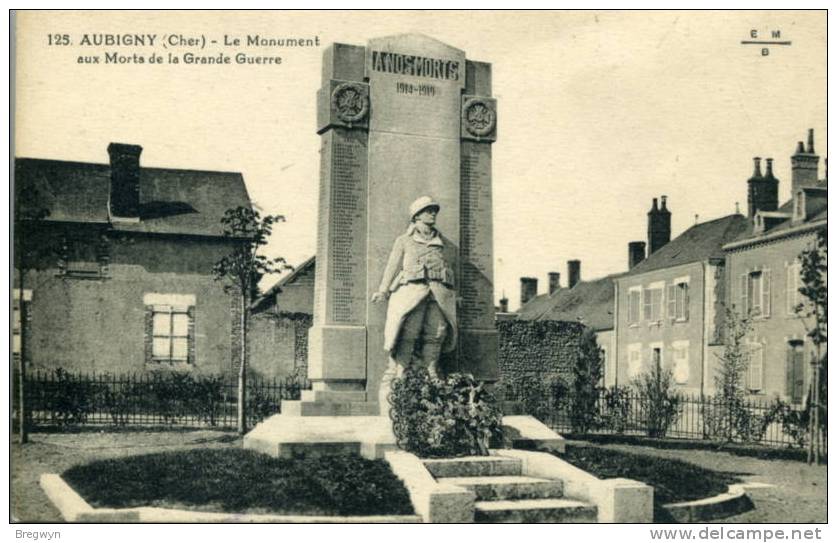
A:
(291, 434)
(285, 435)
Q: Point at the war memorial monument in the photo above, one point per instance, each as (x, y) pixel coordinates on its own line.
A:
(404, 119)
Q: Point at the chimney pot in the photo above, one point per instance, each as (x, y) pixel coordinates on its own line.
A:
(636, 253)
(554, 282)
(528, 289)
(124, 195)
(573, 272)
(756, 167)
(804, 166)
(659, 226)
(762, 191)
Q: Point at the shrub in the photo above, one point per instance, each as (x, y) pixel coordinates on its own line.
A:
(539, 395)
(728, 416)
(615, 409)
(587, 372)
(661, 406)
(68, 399)
(434, 417)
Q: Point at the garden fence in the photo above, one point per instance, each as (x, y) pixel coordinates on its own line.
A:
(63, 399)
(627, 412)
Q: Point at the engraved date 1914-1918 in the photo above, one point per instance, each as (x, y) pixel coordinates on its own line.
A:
(417, 90)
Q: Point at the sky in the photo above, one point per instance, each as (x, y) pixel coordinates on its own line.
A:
(598, 113)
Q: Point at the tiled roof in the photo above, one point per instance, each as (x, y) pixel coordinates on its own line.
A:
(701, 242)
(588, 302)
(171, 201)
(819, 213)
(269, 296)
(536, 307)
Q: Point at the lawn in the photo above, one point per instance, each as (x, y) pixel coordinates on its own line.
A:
(243, 481)
(673, 480)
(797, 491)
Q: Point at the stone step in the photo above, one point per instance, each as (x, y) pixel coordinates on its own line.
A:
(333, 396)
(300, 408)
(508, 487)
(473, 466)
(544, 510)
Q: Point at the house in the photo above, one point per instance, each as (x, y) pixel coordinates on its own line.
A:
(279, 325)
(669, 306)
(764, 271)
(586, 302)
(117, 262)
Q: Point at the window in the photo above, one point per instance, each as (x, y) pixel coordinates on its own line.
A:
(656, 356)
(754, 376)
(792, 285)
(678, 300)
(795, 387)
(633, 305)
(170, 328)
(754, 291)
(634, 360)
(680, 354)
(83, 258)
(652, 304)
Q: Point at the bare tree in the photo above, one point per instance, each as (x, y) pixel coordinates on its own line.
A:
(814, 278)
(26, 214)
(241, 270)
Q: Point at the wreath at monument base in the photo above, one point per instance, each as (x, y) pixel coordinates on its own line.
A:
(433, 417)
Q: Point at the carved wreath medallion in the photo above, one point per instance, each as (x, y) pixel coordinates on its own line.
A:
(479, 117)
(350, 102)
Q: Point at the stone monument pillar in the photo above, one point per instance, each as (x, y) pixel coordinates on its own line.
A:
(402, 117)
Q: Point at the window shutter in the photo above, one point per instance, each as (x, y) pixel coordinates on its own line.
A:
(756, 368)
(742, 285)
(646, 304)
(765, 292)
(686, 301)
(789, 284)
(672, 301)
(190, 349)
(794, 386)
(798, 375)
(149, 334)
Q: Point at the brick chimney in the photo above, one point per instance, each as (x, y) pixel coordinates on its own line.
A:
(573, 272)
(762, 191)
(123, 201)
(636, 253)
(528, 289)
(659, 226)
(554, 282)
(804, 165)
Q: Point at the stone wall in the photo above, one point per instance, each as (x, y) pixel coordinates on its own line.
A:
(278, 344)
(537, 347)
